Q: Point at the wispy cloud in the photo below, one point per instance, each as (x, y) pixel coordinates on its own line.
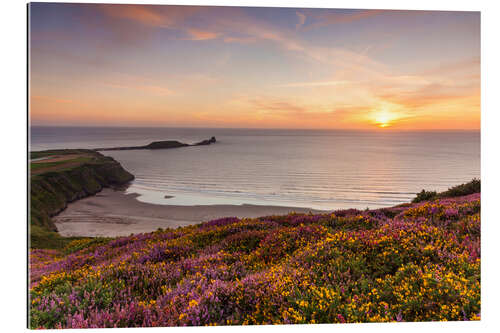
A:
(197, 34)
(151, 89)
(52, 99)
(302, 20)
(431, 94)
(313, 84)
(232, 25)
(146, 15)
(150, 15)
(336, 17)
(241, 40)
(277, 106)
(299, 113)
(467, 64)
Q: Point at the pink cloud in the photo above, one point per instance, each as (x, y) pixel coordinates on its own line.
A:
(196, 34)
(150, 15)
(152, 89)
(242, 40)
(142, 14)
(53, 100)
(339, 17)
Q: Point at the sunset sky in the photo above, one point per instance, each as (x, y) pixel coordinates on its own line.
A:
(183, 66)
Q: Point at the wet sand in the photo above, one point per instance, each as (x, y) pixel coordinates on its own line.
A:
(113, 213)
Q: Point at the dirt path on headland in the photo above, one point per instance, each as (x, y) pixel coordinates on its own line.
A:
(114, 213)
(62, 162)
(58, 158)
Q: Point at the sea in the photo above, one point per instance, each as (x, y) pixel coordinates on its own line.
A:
(317, 169)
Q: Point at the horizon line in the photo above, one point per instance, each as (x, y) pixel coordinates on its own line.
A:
(269, 128)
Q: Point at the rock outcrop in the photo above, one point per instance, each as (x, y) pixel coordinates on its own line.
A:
(162, 145)
(206, 142)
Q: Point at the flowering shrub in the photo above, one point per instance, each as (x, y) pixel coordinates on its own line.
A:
(474, 186)
(415, 262)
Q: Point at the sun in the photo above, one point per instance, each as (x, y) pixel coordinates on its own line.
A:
(384, 118)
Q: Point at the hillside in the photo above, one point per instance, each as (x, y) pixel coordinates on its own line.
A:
(412, 262)
(59, 177)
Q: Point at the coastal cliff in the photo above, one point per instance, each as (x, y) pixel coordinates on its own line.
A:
(59, 177)
(64, 176)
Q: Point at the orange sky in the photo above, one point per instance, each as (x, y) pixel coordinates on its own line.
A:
(131, 65)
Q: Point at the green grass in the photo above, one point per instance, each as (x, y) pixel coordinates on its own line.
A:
(44, 153)
(84, 243)
(41, 165)
(38, 154)
(44, 239)
(41, 238)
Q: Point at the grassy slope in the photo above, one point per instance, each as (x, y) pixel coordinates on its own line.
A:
(413, 262)
(72, 179)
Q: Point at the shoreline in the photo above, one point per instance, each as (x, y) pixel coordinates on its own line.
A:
(113, 213)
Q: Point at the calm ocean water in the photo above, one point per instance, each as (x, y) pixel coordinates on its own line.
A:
(322, 169)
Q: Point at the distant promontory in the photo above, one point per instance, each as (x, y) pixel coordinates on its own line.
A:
(163, 145)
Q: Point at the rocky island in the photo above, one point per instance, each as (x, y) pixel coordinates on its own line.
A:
(169, 144)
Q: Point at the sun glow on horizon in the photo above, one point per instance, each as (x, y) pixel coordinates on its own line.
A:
(384, 117)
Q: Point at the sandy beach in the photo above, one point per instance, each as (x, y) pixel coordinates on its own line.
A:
(113, 213)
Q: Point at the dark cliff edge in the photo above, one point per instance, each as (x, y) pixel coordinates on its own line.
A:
(51, 191)
(162, 145)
